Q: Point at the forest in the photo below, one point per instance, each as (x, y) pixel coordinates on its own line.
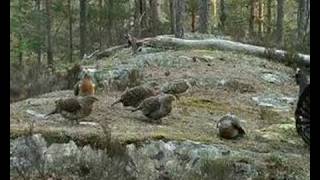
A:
(143, 89)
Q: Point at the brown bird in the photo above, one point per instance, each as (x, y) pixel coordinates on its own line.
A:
(85, 87)
(74, 108)
(175, 88)
(156, 107)
(134, 96)
(229, 127)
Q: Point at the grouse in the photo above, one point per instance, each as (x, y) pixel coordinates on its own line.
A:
(156, 107)
(229, 127)
(302, 115)
(74, 108)
(85, 86)
(134, 96)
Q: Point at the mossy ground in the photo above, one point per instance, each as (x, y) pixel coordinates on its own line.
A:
(194, 116)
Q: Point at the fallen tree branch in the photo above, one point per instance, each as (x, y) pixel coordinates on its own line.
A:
(165, 41)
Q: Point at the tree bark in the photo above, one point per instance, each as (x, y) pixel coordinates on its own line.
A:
(110, 22)
(70, 31)
(280, 16)
(193, 21)
(180, 17)
(204, 12)
(83, 27)
(49, 34)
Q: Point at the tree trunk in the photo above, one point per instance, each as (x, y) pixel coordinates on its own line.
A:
(100, 24)
(83, 27)
(252, 17)
(70, 31)
(214, 8)
(155, 16)
(20, 55)
(180, 17)
(223, 15)
(172, 16)
(204, 12)
(269, 16)
(39, 35)
(110, 22)
(303, 19)
(280, 16)
(49, 34)
(193, 21)
(261, 18)
(164, 41)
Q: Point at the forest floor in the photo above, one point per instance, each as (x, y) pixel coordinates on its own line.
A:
(227, 82)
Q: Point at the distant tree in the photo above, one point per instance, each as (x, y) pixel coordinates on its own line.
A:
(155, 16)
(222, 16)
(70, 30)
(269, 16)
(204, 11)
(172, 16)
(83, 27)
(252, 17)
(49, 34)
(180, 17)
(303, 19)
(279, 24)
(193, 7)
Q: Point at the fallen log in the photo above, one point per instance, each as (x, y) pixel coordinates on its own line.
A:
(220, 44)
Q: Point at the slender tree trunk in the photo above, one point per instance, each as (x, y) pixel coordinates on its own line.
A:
(110, 22)
(204, 12)
(70, 31)
(223, 15)
(261, 18)
(100, 24)
(20, 54)
(49, 34)
(193, 21)
(214, 8)
(280, 16)
(83, 27)
(303, 19)
(269, 16)
(39, 35)
(252, 17)
(172, 16)
(155, 16)
(180, 17)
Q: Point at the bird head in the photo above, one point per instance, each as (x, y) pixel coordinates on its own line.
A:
(169, 98)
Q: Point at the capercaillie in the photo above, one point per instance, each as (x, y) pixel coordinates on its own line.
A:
(85, 87)
(176, 87)
(229, 127)
(301, 80)
(134, 96)
(74, 108)
(156, 107)
(302, 115)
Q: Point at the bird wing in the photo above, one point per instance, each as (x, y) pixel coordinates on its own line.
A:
(150, 105)
(70, 105)
(236, 124)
